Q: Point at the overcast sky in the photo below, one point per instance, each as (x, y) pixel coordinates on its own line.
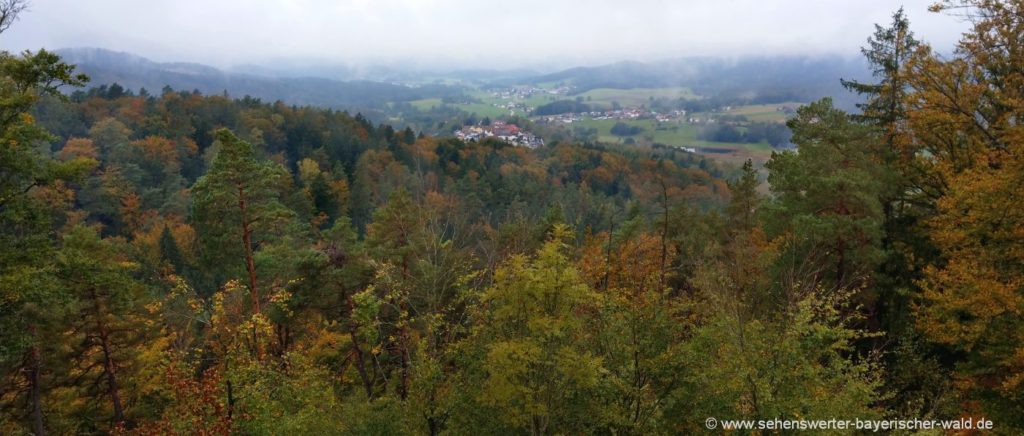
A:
(464, 33)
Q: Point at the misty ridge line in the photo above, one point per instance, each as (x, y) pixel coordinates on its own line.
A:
(435, 35)
(372, 86)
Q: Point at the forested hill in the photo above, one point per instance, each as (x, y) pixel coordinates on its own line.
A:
(129, 135)
(758, 79)
(178, 263)
(134, 72)
(172, 229)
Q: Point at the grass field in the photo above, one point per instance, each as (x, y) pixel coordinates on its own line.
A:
(765, 112)
(542, 99)
(672, 133)
(633, 97)
(480, 109)
(533, 101)
(683, 135)
(601, 98)
(426, 103)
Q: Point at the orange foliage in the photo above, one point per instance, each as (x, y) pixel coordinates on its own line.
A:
(78, 147)
(146, 239)
(978, 295)
(131, 213)
(199, 406)
(131, 109)
(158, 148)
(633, 264)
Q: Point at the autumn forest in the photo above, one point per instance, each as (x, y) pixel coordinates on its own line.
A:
(179, 263)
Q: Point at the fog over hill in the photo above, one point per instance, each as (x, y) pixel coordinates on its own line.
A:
(769, 79)
(133, 72)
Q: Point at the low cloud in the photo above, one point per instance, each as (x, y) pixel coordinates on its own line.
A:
(463, 33)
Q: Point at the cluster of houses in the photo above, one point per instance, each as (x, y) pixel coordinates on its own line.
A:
(566, 118)
(513, 97)
(514, 106)
(510, 133)
(618, 114)
(669, 116)
(522, 92)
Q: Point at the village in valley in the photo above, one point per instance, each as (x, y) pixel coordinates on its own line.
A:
(510, 133)
(616, 114)
(671, 117)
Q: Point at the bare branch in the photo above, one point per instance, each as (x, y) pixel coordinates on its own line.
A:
(9, 11)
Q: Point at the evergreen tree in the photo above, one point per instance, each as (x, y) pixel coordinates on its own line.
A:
(237, 207)
(325, 200)
(745, 202)
(169, 251)
(32, 300)
(827, 198)
(888, 52)
(106, 322)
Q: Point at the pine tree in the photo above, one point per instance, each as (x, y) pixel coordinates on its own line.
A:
(325, 200)
(107, 319)
(744, 201)
(169, 251)
(32, 299)
(888, 52)
(236, 206)
(827, 197)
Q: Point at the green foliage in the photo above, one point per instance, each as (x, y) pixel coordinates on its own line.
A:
(31, 299)
(888, 51)
(169, 251)
(326, 275)
(827, 196)
(623, 129)
(296, 400)
(744, 202)
(236, 203)
(793, 366)
(539, 373)
(106, 322)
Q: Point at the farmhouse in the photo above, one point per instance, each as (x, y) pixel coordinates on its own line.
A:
(510, 133)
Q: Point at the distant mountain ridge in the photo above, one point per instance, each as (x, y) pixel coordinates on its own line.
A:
(758, 79)
(801, 78)
(133, 72)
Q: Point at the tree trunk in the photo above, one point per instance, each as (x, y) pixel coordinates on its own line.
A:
(433, 426)
(664, 233)
(250, 264)
(840, 263)
(538, 425)
(403, 332)
(108, 361)
(403, 337)
(360, 359)
(35, 390)
(230, 392)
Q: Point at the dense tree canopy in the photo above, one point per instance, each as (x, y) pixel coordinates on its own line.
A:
(178, 263)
